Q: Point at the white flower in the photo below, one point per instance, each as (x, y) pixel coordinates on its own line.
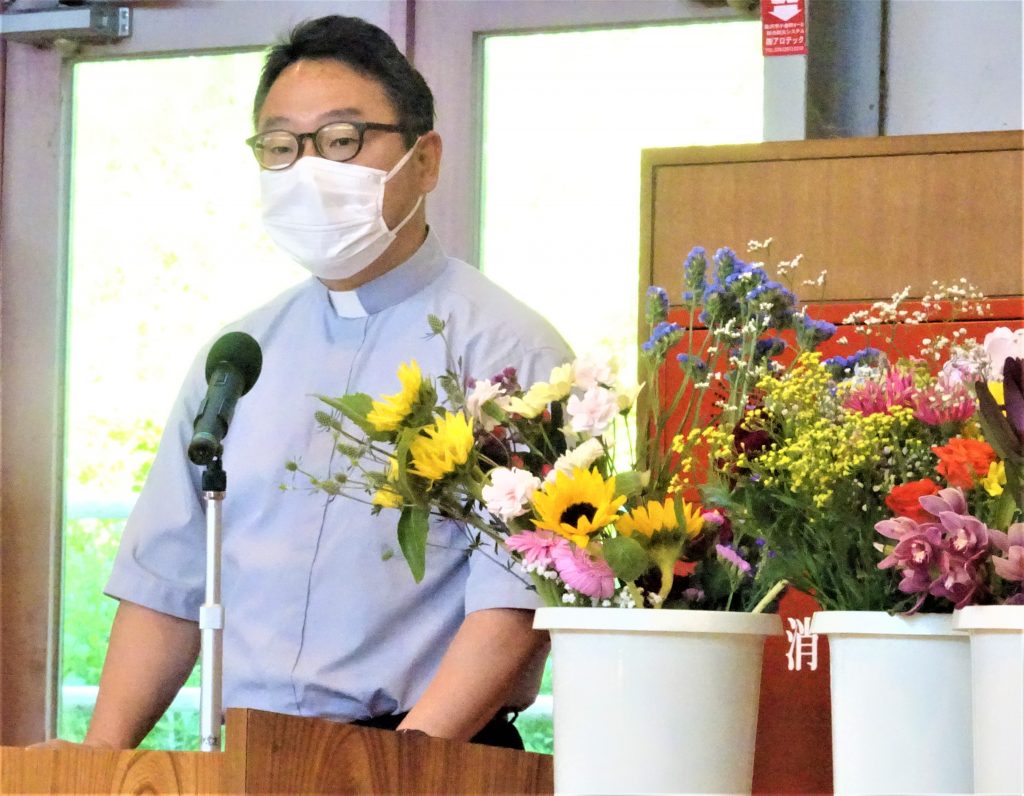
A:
(509, 492)
(580, 457)
(625, 396)
(594, 412)
(1000, 344)
(482, 392)
(589, 371)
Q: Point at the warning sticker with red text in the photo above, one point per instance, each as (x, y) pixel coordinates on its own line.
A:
(783, 27)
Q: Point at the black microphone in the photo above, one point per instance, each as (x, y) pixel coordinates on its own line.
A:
(232, 367)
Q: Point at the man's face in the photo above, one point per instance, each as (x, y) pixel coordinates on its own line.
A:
(310, 94)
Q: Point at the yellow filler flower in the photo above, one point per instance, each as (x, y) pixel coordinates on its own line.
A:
(577, 505)
(439, 449)
(386, 496)
(388, 413)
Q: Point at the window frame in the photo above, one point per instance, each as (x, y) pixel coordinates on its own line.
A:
(34, 226)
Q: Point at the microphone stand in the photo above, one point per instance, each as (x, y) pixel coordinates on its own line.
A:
(211, 613)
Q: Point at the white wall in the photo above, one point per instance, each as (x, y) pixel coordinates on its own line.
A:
(954, 66)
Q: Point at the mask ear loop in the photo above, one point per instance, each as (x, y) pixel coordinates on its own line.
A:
(397, 168)
(405, 159)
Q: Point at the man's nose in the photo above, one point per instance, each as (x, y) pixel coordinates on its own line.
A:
(307, 147)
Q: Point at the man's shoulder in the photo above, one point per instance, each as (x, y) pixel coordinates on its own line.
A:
(284, 303)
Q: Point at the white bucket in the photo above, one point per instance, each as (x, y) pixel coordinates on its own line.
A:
(655, 701)
(997, 687)
(900, 703)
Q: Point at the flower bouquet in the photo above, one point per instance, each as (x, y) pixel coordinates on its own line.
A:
(533, 472)
(890, 484)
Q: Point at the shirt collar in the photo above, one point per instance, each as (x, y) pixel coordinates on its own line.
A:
(396, 285)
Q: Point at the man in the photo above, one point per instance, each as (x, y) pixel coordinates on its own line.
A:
(322, 615)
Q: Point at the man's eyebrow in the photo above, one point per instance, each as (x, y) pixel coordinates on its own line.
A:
(337, 114)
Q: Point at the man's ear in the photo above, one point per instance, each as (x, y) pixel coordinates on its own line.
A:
(428, 160)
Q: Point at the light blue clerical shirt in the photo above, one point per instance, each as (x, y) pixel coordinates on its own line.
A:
(322, 616)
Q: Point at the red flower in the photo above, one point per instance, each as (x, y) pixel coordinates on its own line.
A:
(963, 461)
(904, 500)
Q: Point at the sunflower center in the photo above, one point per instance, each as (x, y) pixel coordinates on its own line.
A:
(572, 514)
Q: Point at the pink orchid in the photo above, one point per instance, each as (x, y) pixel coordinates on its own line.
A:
(1012, 543)
(536, 547)
(948, 499)
(917, 547)
(958, 580)
(965, 536)
(582, 572)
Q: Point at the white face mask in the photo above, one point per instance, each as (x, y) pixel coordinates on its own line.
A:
(330, 216)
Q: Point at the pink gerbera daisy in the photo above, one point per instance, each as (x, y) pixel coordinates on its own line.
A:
(583, 572)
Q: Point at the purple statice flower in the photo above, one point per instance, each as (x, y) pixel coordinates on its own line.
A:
(727, 263)
(657, 304)
(843, 367)
(731, 556)
(663, 336)
(695, 367)
(695, 271)
(508, 379)
(814, 332)
(768, 347)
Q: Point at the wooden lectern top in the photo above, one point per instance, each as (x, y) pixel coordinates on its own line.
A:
(269, 753)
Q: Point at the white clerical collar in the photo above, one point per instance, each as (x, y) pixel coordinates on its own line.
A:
(346, 304)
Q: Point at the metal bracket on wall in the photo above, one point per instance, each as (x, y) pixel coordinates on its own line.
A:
(95, 23)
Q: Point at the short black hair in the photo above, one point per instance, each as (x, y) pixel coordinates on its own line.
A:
(364, 48)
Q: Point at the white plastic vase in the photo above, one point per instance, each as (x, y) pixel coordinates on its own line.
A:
(655, 701)
(997, 685)
(901, 703)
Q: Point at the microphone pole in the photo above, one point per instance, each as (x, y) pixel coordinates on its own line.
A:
(211, 613)
(232, 367)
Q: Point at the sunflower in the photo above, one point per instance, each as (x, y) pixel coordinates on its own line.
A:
(649, 519)
(439, 449)
(388, 413)
(576, 506)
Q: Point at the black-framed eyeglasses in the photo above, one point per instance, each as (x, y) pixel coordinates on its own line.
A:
(337, 141)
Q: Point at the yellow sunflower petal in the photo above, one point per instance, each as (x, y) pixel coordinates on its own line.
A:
(388, 413)
(577, 505)
(442, 447)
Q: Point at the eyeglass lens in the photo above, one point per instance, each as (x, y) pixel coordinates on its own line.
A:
(278, 149)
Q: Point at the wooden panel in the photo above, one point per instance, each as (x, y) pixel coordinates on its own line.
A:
(290, 754)
(80, 770)
(878, 213)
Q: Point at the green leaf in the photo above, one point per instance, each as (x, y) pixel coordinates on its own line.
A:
(629, 483)
(491, 409)
(413, 526)
(626, 557)
(356, 406)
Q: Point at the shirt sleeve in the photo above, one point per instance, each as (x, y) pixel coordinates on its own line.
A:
(160, 563)
(490, 583)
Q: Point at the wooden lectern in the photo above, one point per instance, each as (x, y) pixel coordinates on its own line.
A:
(271, 753)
